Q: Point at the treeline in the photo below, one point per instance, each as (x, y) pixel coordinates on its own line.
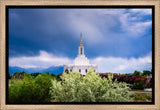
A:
(21, 75)
(144, 73)
(136, 73)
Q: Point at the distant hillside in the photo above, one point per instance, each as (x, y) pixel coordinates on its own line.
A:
(53, 69)
(12, 70)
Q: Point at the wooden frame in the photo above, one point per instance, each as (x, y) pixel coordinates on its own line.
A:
(155, 3)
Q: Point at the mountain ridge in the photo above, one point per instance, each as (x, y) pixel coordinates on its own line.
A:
(52, 69)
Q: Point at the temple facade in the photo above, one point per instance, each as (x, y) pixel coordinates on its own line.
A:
(81, 63)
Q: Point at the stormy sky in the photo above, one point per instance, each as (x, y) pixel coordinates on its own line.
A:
(117, 40)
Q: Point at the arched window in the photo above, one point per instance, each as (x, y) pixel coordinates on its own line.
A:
(86, 70)
(81, 51)
(94, 70)
(70, 70)
(80, 70)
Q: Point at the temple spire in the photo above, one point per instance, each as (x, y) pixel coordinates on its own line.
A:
(81, 36)
(81, 47)
(81, 43)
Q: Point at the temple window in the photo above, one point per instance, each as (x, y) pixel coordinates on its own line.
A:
(81, 51)
(86, 70)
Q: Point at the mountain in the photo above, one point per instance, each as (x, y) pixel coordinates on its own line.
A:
(53, 69)
(130, 73)
(12, 70)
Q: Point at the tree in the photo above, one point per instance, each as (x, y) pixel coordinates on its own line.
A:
(35, 74)
(31, 90)
(146, 72)
(22, 75)
(53, 75)
(137, 73)
(16, 75)
(48, 73)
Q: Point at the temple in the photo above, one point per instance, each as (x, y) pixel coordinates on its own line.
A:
(81, 63)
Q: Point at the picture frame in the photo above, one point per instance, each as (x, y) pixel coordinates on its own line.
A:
(4, 45)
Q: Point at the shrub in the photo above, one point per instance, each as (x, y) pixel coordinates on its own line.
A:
(144, 97)
(90, 88)
(31, 90)
(130, 79)
(139, 85)
(59, 76)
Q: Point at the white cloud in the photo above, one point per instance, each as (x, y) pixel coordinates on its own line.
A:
(123, 65)
(132, 26)
(43, 60)
(105, 64)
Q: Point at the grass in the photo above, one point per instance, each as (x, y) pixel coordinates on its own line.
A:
(142, 97)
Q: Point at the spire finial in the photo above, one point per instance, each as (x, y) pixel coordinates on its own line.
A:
(81, 39)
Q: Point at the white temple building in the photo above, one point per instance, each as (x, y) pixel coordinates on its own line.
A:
(81, 63)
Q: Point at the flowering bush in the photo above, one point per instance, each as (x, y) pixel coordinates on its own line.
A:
(138, 82)
(90, 88)
(130, 79)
